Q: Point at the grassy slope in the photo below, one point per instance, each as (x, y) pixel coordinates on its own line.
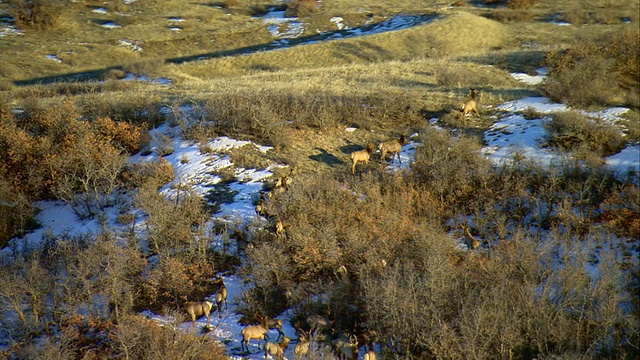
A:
(433, 64)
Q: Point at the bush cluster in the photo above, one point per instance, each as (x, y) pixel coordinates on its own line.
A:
(597, 73)
(376, 254)
(89, 287)
(51, 152)
(36, 14)
(573, 131)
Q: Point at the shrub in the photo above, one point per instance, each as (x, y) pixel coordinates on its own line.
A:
(156, 173)
(574, 131)
(133, 108)
(594, 73)
(301, 8)
(172, 282)
(36, 14)
(248, 157)
(450, 168)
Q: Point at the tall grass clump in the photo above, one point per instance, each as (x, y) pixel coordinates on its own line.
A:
(597, 73)
(36, 14)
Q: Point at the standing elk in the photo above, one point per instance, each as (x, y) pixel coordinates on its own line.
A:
(361, 156)
(319, 323)
(254, 332)
(369, 355)
(470, 105)
(197, 309)
(346, 349)
(474, 241)
(272, 324)
(276, 349)
(280, 231)
(221, 294)
(287, 180)
(302, 347)
(392, 147)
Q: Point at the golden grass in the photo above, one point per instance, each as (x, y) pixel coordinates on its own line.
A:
(459, 33)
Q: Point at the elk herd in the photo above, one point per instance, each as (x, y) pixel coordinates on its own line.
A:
(320, 336)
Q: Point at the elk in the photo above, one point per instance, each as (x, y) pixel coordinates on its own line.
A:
(287, 180)
(369, 355)
(254, 332)
(280, 231)
(276, 349)
(319, 323)
(474, 242)
(198, 308)
(392, 147)
(470, 105)
(361, 156)
(272, 324)
(221, 294)
(260, 208)
(302, 347)
(346, 349)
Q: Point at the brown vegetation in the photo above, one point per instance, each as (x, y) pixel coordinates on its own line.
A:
(374, 254)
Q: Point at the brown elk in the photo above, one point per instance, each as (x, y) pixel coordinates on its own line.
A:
(470, 105)
(302, 347)
(272, 324)
(319, 323)
(392, 147)
(254, 332)
(276, 349)
(287, 180)
(346, 349)
(369, 355)
(361, 156)
(261, 208)
(474, 242)
(197, 309)
(221, 294)
(280, 231)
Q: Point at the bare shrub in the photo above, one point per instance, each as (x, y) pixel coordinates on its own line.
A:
(154, 173)
(174, 281)
(604, 73)
(17, 213)
(36, 14)
(140, 338)
(574, 131)
(134, 108)
(248, 157)
(449, 167)
(164, 145)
